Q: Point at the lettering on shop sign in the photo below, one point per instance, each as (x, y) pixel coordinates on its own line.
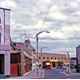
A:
(26, 54)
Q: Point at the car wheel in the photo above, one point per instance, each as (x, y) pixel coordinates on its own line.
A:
(3, 77)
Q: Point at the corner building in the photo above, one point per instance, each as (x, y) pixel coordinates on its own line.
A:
(57, 60)
(5, 41)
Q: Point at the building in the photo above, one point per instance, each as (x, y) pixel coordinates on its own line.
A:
(73, 62)
(57, 60)
(78, 53)
(22, 56)
(5, 41)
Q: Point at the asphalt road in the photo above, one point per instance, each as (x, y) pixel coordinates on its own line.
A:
(61, 74)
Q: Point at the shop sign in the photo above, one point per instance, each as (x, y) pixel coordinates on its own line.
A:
(27, 55)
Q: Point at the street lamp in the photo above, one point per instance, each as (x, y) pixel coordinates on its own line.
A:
(42, 56)
(37, 45)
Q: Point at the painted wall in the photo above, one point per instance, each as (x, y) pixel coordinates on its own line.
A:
(5, 38)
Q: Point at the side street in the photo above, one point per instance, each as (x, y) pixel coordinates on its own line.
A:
(20, 60)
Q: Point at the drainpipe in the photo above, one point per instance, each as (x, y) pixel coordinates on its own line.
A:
(4, 26)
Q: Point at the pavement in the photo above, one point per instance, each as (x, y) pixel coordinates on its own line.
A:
(30, 75)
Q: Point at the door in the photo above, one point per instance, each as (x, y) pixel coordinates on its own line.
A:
(53, 64)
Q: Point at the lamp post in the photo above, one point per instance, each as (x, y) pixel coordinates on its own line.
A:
(42, 57)
(37, 45)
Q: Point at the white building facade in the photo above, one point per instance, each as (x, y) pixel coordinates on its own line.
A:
(5, 41)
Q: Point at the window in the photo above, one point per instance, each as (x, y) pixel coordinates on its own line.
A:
(43, 57)
(55, 58)
(0, 37)
(47, 57)
(51, 58)
(61, 58)
(39, 57)
(58, 58)
(17, 45)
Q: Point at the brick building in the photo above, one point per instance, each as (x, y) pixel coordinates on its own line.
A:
(22, 56)
(57, 60)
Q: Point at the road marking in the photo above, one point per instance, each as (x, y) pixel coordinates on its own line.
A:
(43, 74)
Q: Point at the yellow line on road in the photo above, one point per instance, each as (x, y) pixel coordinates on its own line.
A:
(43, 74)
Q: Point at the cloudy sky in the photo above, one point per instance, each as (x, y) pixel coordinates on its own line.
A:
(60, 17)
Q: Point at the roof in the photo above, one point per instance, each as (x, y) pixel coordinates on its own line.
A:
(13, 51)
(78, 46)
(4, 8)
(20, 43)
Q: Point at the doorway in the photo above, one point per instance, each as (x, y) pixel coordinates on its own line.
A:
(53, 64)
(1, 63)
(0, 66)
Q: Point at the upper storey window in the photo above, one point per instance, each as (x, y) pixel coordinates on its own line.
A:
(17, 44)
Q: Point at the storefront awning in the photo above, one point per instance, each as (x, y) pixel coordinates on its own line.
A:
(53, 60)
(66, 63)
(39, 63)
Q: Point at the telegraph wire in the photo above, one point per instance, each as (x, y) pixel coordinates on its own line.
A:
(46, 15)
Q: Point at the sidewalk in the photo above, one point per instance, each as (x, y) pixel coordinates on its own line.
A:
(30, 75)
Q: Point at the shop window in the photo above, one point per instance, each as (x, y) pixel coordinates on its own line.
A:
(64, 65)
(0, 37)
(67, 65)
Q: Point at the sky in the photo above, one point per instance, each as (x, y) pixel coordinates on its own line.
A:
(60, 17)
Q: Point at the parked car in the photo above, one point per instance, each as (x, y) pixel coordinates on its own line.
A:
(2, 76)
(64, 67)
(34, 67)
(59, 67)
(77, 68)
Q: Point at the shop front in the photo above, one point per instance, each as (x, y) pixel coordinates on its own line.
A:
(2, 64)
(54, 63)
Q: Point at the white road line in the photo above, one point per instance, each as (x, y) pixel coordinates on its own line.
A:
(43, 74)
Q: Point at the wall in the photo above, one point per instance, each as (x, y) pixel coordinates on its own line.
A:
(5, 38)
(57, 56)
(15, 58)
(78, 54)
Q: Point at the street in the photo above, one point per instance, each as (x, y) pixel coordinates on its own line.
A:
(50, 74)
(61, 74)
